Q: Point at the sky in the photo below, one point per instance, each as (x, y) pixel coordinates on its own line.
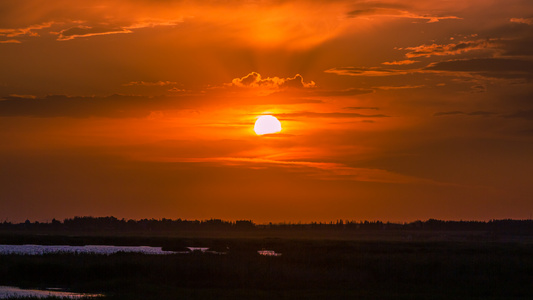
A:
(390, 110)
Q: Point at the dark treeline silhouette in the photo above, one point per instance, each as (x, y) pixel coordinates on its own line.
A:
(114, 224)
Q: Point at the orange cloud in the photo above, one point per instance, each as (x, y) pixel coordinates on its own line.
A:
(271, 84)
(29, 30)
(363, 71)
(395, 13)
(88, 31)
(328, 115)
(449, 49)
(10, 42)
(528, 21)
(399, 63)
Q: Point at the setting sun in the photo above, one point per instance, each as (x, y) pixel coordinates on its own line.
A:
(266, 125)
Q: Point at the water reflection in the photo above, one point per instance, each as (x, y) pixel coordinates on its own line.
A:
(200, 249)
(268, 253)
(92, 249)
(12, 292)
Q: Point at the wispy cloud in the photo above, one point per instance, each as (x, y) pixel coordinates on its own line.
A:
(28, 31)
(391, 12)
(364, 71)
(448, 49)
(458, 112)
(488, 67)
(150, 83)
(399, 63)
(88, 31)
(528, 21)
(522, 114)
(308, 114)
(10, 42)
(113, 106)
(398, 87)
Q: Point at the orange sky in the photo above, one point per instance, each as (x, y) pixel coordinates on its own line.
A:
(391, 110)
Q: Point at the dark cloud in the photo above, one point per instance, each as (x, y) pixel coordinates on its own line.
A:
(489, 67)
(114, 106)
(364, 71)
(458, 112)
(398, 87)
(307, 114)
(448, 113)
(522, 114)
(478, 88)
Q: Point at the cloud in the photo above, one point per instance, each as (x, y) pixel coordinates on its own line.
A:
(488, 67)
(395, 13)
(458, 112)
(478, 88)
(114, 106)
(25, 31)
(522, 114)
(10, 42)
(399, 63)
(72, 29)
(528, 21)
(80, 31)
(270, 85)
(88, 31)
(307, 114)
(150, 83)
(254, 80)
(364, 71)
(400, 87)
(448, 49)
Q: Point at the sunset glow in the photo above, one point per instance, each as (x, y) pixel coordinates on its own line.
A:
(394, 110)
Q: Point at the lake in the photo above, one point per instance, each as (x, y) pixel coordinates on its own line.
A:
(92, 249)
(11, 291)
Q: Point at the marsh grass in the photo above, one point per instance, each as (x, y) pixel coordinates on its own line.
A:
(308, 269)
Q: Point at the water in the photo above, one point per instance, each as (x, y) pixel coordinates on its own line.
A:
(92, 249)
(11, 291)
(268, 253)
(201, 249)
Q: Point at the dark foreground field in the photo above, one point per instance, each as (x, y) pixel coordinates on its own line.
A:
(308, 269)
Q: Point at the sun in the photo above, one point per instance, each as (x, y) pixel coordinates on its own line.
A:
(267, 124)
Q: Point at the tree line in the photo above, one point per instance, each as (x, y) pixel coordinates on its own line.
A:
(115, 224)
